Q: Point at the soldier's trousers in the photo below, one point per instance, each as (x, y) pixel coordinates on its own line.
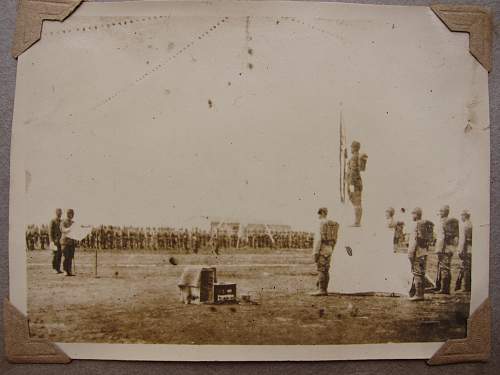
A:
(56, 258)
(418, 269)
(464, 275)
(443, 275)
(69, 254)
(323, 267)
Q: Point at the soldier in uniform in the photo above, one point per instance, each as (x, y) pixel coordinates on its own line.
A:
(465, 252)
(420, 238)
(185, 240)
(29, 238)
(55, 238)
(68, 244)
(446, 235)
(392, 223)
(44, 236)
(36, 236)
(325, 241)
(356, 165)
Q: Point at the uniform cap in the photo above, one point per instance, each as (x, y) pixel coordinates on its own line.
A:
(323, 210)
(356, 144)
(417, 210)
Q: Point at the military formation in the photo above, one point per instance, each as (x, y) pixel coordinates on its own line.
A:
(183, 239)
(446, 239)
(37, 237)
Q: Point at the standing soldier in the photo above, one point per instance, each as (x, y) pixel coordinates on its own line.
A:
(196, 241)
(446, 238)
(29, 238)
(55, 238)
(125, 238)
(185, 240)
(465, 252)
(356, 165)
(216, 241)
(109, 237)
(102, 237)
(93, 235)
(44, 236)
(325, 241)
(421, 236)
(68, 244)
(36, 236)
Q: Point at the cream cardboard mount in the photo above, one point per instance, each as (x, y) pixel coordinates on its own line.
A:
(474, 20)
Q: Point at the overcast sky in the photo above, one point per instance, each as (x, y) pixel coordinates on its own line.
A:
(148, 124)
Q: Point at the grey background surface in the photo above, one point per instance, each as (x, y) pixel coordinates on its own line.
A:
(7, 89)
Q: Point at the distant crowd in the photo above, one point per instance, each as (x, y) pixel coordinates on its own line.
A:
(189, 240)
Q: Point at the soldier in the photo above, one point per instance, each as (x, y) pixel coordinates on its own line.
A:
(185, 240)
(141, 236)
(196, 241)
(36, 236)
(216, 241)
(55, 238)
(398, 226)
(465, 252)
(356, 165)
(44, 236)
(30, 237)
(325, 241)
(68, 244)
(93, 237)
(421, 237)
(102, 237)
(446, 237)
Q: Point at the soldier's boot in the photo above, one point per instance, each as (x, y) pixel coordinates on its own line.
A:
(445, 282)
(439, 280)
(458, 283)
(321, 291)
(467, 281)
(419, 290)
(327, 281)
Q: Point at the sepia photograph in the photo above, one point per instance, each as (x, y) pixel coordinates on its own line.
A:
(288, 173)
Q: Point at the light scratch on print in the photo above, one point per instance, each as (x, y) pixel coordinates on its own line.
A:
(162, 64)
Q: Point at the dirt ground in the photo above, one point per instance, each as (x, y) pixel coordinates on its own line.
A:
(135, 299)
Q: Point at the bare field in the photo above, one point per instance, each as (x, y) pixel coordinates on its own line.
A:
(135, 299)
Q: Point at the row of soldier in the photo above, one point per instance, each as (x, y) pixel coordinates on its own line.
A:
(448, 237)
(37, 237)
(113, 237)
